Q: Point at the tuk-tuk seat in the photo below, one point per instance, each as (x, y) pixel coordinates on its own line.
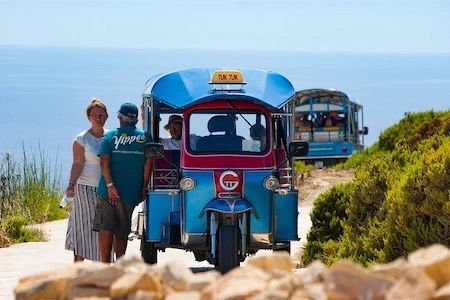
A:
(164, 173)
(226, 141)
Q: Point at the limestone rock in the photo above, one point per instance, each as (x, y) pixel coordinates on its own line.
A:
(394, 269)
(435, 260)
(277, 261)
(187, 295)
(177, 275)
(347, 280)
(132, 282)
(314, 272)
(443, 293)
(414, 284)
(199, 281)
(237, 284)
(87, 291)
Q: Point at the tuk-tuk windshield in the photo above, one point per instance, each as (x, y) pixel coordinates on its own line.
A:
(227, 132)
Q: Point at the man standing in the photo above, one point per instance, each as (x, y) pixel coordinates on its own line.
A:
(124, 180)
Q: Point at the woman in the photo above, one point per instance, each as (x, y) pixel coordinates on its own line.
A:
(84, 177)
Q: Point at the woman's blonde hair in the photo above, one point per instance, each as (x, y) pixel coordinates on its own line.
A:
(96, 102)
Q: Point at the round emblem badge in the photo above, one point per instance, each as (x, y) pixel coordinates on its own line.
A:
(229, 180)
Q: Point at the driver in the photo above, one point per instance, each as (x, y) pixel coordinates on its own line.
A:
(258, 133)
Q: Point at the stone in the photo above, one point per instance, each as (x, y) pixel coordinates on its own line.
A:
(52, 283)
(186, 295)
(435, 260)
(277, 261)
(87, 291)
(199, 281)
(346, 280)
(314, 272)
(394, 269)
(239, 283)
(442, 293)
(142, 295)
(177, 275)
(414, 284)
(131, 282)
(271, 295)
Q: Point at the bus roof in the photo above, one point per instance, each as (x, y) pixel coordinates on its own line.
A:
(322, 96)
(180, 89)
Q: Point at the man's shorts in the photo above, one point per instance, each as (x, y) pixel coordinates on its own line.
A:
(116, 219)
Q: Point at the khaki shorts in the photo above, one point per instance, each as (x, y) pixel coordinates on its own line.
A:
(116, 219)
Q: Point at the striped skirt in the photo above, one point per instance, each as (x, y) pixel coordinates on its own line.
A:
(80, 238)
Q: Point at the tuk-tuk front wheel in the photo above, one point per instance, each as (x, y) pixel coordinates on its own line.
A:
(227, 248)
(149, 252)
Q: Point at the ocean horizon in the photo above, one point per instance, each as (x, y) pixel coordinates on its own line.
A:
(44, 91)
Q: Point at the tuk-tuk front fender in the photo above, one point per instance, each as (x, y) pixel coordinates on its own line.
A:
(229, 206)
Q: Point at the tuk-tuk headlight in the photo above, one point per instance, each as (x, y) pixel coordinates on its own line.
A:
(271, 183)
(187, 183)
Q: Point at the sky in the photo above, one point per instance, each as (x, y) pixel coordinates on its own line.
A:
(282, 25)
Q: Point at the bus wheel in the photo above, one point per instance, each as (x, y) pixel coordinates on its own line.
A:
(149, 252)
(227, 248)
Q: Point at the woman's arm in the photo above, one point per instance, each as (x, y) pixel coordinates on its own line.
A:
(77, 167)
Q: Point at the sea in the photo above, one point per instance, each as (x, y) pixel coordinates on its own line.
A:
(44, 91)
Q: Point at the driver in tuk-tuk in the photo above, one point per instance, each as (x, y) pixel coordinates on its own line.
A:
(258, 133)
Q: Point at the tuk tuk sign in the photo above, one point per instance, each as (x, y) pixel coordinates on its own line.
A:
(227, 77)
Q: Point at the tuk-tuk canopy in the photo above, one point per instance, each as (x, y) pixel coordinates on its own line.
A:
(317, 96)
(180, 89)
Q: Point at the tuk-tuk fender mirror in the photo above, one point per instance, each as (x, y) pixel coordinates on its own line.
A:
(297, 149)
(154, 150)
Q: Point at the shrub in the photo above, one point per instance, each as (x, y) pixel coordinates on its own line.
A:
(17, 232)
(399, 199)
(327, 216)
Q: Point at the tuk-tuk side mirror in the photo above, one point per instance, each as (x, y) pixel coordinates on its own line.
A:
(154, 150)
(297, 149)
(364, 131)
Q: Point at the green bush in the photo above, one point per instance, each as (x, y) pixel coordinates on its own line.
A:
(398, 201)
(30, 189)
(327, 216)
(15, 228)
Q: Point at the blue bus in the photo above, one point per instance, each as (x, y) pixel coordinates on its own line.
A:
(330, 122)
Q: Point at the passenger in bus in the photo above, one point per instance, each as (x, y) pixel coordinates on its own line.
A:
(334, 119)
(301, 121)
(320, 120)
(174, 126)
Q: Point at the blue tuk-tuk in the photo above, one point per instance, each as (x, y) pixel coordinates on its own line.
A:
(228, 191)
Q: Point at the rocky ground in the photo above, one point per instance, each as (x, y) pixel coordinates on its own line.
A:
(316, 182)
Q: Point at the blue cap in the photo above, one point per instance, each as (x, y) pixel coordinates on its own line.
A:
(129, 110)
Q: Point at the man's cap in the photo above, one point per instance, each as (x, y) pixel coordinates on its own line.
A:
(173, 119)
(128, 110)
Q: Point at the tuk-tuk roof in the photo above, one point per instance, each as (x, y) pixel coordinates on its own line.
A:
(184, 88)
(322, 96)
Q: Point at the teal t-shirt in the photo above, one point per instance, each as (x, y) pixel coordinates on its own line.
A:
(125, 147)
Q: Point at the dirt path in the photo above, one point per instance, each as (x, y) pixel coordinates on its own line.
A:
(310, 187)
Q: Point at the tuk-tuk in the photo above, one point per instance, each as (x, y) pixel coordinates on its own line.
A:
(229, 190)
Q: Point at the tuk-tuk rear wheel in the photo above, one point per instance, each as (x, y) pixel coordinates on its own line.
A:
(287, 248)
(149, 252)
(227, 248)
